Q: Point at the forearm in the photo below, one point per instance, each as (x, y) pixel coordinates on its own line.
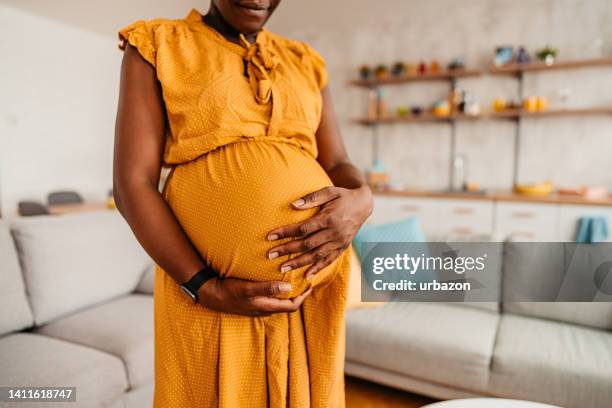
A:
(346, 175)
(157, 230)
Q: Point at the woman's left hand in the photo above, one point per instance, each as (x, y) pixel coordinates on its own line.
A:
(322, 238)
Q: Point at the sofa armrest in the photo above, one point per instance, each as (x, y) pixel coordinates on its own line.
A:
(147, 281)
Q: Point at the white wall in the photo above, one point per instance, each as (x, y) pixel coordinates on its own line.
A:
(59, 82)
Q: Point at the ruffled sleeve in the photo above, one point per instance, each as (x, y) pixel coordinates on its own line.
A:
(141, 36)
(318, 66)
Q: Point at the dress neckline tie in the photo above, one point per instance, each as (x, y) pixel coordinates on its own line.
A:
(261, 66)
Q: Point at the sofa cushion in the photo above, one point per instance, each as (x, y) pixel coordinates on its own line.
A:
(595, 314)
(121, 327)
(538, 270)
(73, 261)
(15, 311)
(552, 362)
(140, 397)
(436, 342)
(29, 360)
(147, 281)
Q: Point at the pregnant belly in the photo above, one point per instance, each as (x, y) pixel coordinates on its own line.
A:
(228, 200)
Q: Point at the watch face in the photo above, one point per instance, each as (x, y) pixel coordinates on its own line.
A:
(191, 295)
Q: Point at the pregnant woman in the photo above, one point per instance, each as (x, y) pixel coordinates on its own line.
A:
(252, 231)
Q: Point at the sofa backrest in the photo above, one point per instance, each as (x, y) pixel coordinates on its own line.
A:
(530, 270)
(73, 261)
(15, 313)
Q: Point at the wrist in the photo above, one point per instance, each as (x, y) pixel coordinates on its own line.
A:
(365, 198)
(207, 291)
(193, 286)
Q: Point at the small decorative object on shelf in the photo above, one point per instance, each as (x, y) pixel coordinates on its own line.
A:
(411, 69)
(460, 171)
(441, 108)
(456, 63)
(382, 105)
(110, 200)
(530, 104)
(381, 72)
(499, 104)
(434, 68)
(377, 177)
(522, 56)
(416, 110)
(548, 54)
(422, 68)
(455, 96)
(535, 104)
(402, 111)
(365, 72)
(542, 103)
(372, 105)
(469, 105)
(399, 69)
(503, 55)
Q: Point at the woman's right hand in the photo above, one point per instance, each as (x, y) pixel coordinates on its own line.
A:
(247, 298)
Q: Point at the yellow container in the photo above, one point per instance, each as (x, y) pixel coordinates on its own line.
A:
(530, 104)
(499, 104)
(542, 103)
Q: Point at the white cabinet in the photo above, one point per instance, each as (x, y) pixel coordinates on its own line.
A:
(570, 215)
(390, 209)
(437, 216)
(527, 221)
(465, 217)
(458, 217)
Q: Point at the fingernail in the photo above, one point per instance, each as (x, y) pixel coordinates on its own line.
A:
(299, 203)
(285, 268)
(284, 287)
(273, 255)
(272, 237)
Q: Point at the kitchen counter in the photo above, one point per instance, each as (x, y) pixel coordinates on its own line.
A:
(498, 196)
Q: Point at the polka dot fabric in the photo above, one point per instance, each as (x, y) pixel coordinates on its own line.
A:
(242, 149)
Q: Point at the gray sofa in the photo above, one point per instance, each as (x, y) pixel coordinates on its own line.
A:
(556, 353)
(76, 309)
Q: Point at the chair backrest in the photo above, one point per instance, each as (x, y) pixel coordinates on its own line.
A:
(64, 197)
(15, 312)
(30, 208)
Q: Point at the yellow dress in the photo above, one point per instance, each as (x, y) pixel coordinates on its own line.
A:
(241, 141)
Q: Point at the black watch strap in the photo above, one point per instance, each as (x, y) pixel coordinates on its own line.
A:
(193, 285)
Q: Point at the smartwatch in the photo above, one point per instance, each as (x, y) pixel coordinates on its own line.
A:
(193, 285)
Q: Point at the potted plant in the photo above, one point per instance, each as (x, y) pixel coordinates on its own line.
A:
(548, 54)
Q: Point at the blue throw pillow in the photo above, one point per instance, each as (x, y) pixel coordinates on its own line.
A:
(407, 230)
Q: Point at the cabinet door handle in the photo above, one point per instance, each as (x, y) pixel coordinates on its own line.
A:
(462, 231)
(463, 210)
(526, 234)
(410, 208)
(523, 214)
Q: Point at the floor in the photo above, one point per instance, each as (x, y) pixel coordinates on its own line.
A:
(364, 394)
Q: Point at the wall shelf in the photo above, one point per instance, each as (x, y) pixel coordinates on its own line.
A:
(509, 114)
(422, 118)
(443, 75)
(516, 69)
(515, 114)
